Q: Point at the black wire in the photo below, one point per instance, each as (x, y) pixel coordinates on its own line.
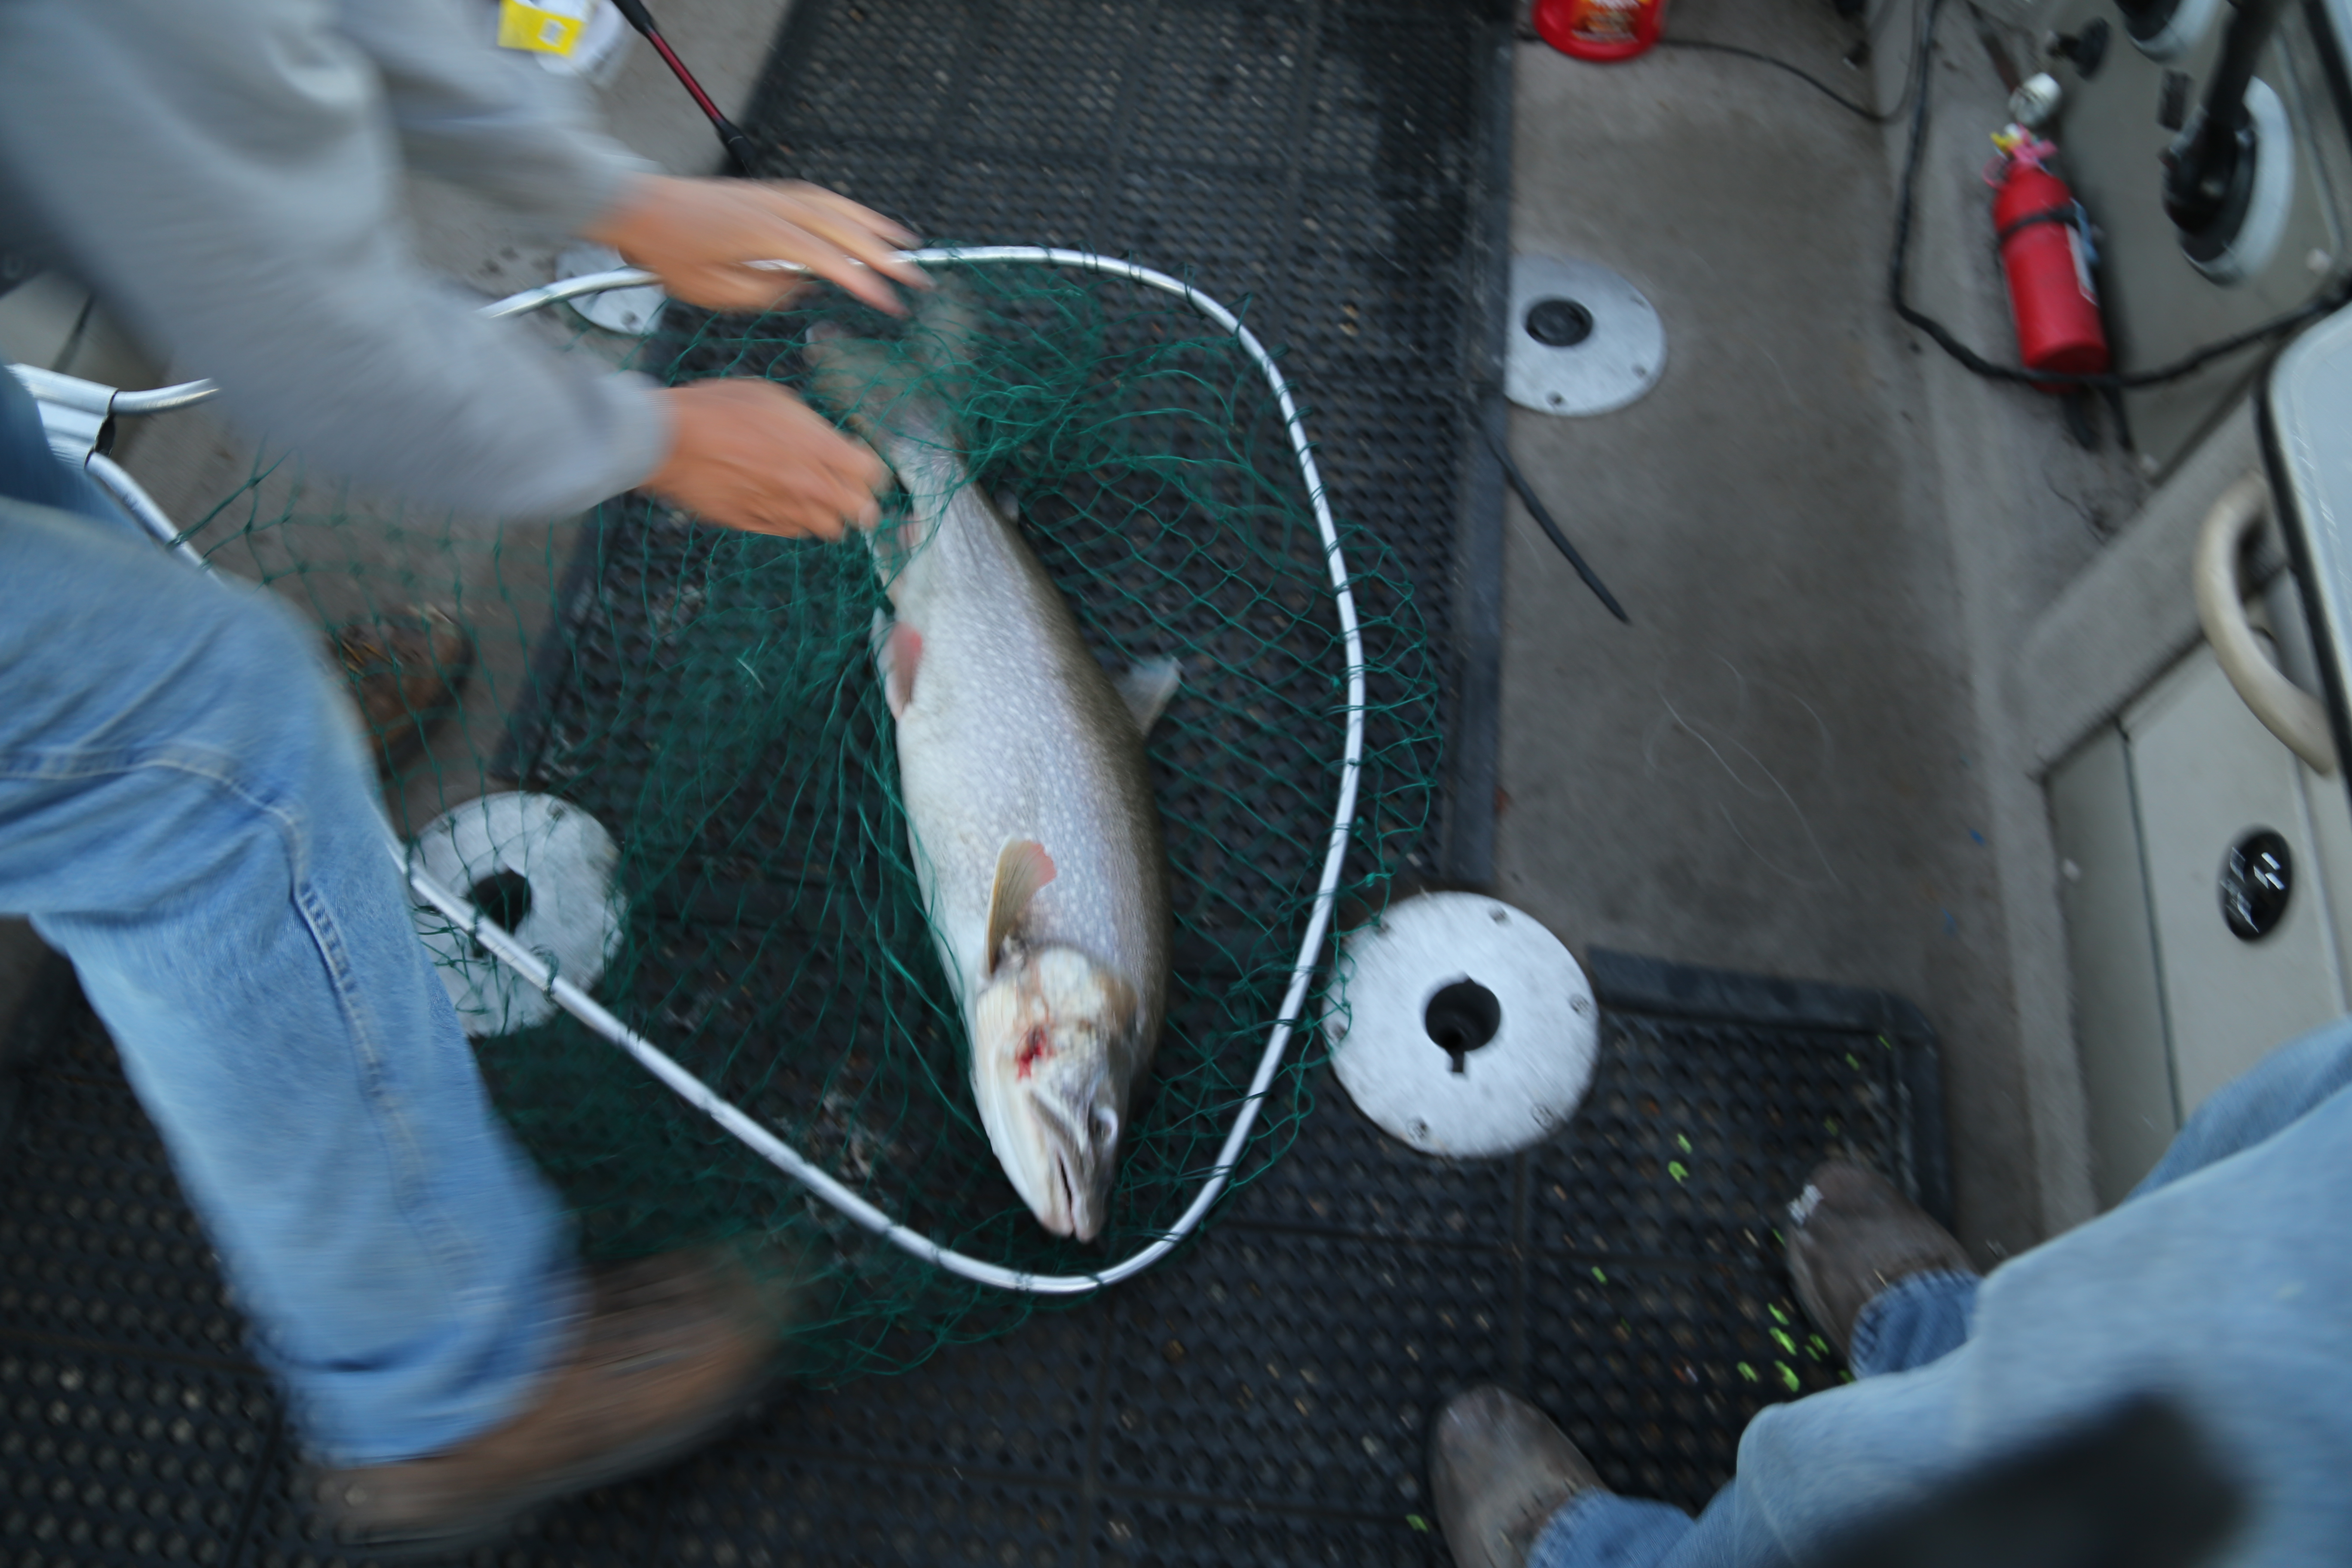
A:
(1875, 116)
(1872, 24)
(2188, 365)
(1543, 519)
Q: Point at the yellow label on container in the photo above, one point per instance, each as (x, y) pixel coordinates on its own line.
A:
(544, 28)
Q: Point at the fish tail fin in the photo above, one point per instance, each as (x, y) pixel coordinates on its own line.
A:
(902, 390)
(946, 336)
(882, 390)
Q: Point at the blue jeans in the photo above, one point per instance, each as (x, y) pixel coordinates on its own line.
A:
(188, 813)
(1913, 1322)
(2221, 1281)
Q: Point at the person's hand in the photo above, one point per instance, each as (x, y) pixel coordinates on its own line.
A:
(748, 455)
(704, 237)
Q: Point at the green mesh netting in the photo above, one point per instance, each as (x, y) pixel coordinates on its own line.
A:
(710, 699)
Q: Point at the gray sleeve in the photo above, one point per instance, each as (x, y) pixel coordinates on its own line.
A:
(489, 119)
(226, 175)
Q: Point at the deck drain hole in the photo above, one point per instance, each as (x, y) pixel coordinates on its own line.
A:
(1559, 323)
(1462, 1017)
(504, 898)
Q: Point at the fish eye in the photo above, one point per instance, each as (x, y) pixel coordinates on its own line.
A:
(1106, 1124)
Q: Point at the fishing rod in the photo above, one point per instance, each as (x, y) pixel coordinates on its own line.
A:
(737, 145)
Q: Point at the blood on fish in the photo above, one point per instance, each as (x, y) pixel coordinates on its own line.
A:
(1034, 1045)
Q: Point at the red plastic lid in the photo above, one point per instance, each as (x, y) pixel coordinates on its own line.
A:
(1600, 30)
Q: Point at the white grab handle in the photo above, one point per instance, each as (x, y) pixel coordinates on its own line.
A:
(2286, 709)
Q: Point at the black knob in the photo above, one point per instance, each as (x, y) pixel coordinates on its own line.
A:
(2257, 879)
(2087, 49)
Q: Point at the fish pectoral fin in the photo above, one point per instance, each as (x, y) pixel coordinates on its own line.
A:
(897, 650)
(1021, 867)
(1147, 690)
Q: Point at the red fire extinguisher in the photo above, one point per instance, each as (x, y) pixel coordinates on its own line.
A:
(2045, 251)
(1600, 30)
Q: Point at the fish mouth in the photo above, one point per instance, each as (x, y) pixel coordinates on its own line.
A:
(1078, 1207)
(1068, 1204)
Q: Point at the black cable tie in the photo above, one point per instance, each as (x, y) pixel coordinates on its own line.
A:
(2071, 215)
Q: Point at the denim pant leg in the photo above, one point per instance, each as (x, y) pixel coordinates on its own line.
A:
(187, 812)
(1915, 1320)
(2287, 1086)
(1911, 1323)
(1926, 1317)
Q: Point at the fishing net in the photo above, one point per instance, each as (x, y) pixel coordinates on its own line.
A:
(708, 700)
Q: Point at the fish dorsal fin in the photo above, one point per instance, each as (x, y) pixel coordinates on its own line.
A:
(1147, 690)
(1021, 867)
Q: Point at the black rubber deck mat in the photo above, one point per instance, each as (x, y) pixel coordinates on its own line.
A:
(1337, 169)
(1261, 1398)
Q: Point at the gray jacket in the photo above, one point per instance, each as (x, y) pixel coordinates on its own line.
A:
(225, 173)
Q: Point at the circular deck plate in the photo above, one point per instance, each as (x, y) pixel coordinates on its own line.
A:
(631, 312)
(574, 918)
(1620, 360)
(2257, 239)
(1518, 1088)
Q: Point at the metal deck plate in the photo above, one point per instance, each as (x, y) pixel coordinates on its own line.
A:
(563, 861)
(1262, 1398)
(1582, 339)
(1466, 1029)
(631, 312)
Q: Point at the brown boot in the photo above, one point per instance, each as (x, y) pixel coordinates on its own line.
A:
(1498, 1470)
(672, 1348)
(1851, 1235)
(406, 668)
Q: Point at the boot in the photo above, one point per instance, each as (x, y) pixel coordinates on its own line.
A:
(1851, 1235)
(406, 670)
(1498, 1470)
(672, 1350)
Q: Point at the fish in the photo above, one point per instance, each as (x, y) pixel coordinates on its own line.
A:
(1036, 835)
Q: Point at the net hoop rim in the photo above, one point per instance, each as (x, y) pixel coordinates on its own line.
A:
(504, 945)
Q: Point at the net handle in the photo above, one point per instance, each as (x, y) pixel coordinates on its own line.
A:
(503, 944)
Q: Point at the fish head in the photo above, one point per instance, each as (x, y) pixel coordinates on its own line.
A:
(1052, 1032)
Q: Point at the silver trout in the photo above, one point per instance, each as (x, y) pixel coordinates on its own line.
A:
(1036, 836)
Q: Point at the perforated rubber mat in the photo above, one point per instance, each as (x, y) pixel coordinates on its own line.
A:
(1262, 1398)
